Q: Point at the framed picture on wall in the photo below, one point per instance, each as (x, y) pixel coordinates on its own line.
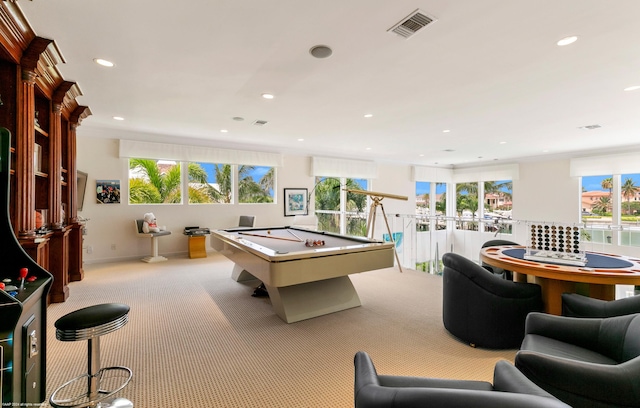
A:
(108, 191)
(295, 201)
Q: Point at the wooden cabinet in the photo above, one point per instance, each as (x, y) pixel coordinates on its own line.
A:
(40, 110)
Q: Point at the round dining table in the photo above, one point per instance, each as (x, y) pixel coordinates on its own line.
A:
(597, 278)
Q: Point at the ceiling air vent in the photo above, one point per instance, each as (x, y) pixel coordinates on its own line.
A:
(590, 127)
(412, 23)
(260, 122)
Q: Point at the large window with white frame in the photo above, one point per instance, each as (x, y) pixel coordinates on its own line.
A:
(154, 181)
(497, 206)
(210, 183)
(338, 210)
(630, 209)
(431, 201)
(597, 202)
(256, 184)
(611, 203)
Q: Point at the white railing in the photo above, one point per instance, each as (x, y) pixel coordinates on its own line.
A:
(421, 240)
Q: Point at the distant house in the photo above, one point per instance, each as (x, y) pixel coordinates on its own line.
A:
(498, 201)
(591, 198)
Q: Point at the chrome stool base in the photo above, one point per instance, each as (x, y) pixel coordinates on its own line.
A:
(116, 403)
(94, 388)
(83, 399)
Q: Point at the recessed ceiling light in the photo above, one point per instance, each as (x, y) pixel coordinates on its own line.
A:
(118, 118)
(448, 150)
(632, 88)
(567, 40)
(267, 96)
(321, 51)
(446, 131)
(103, 62)
(503, 142)
(238, 118)
(421, 155)
(368, 148)
(368, 115)
(300, 140)
(223, 130)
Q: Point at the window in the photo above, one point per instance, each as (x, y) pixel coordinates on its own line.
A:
(210, 183)
(597, 203)
(154, 182)
(256, 184)
(423, 191)
(467, 206)
(630, 211)
(497, 205)
(340, 211)
(424, 203)
(213, 183)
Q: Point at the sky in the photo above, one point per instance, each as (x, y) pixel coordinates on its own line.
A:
(422, 187)
(594, 183)
(257, 173)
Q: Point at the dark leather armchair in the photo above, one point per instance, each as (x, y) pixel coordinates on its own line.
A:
(383, 391)
(503, 273)
(585, 362)
(575, 305)
(483, 309)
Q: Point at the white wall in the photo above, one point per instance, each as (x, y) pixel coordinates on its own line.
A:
(111, 225)
(544, 192)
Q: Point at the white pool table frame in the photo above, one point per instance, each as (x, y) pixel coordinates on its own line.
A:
(307, 283)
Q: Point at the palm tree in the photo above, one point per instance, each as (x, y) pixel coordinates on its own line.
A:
(200, 191)
(607, 184)
(602, 205)
(628, 191)
(154, 186)
(250, 191)
(224, 181)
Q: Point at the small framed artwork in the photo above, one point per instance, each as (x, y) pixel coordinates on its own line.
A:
(295, 201)
(108, 191)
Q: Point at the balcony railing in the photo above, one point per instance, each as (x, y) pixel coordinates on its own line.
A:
(422, 240)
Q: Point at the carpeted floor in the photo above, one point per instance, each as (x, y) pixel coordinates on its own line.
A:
(196, 338)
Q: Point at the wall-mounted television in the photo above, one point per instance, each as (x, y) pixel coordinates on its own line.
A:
(82, 186)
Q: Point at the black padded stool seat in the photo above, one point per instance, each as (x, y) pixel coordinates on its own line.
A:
(92, 321)
(87, 390)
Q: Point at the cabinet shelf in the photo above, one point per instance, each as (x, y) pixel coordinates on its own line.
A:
(41, 131)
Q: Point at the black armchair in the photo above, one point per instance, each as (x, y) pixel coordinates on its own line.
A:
(382, 391)
(585, 362)
(575, 305)
(503, 273)
(482, 308)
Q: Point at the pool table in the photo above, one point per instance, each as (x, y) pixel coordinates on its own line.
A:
(302, 281)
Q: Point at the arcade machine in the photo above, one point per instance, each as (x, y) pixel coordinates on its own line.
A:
(24, 286)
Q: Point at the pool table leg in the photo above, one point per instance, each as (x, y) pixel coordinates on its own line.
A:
(312, 299)
(239, 274)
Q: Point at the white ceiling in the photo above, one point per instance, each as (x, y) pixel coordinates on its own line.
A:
(488, 70)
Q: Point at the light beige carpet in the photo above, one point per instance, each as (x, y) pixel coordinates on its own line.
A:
(196, 338)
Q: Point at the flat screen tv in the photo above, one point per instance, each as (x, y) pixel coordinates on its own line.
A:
(82, 186)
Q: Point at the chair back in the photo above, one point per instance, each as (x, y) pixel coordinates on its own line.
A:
(139, 224)
(483, 309)
(247, 221)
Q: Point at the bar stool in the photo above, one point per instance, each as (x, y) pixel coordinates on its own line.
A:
(89, 324)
